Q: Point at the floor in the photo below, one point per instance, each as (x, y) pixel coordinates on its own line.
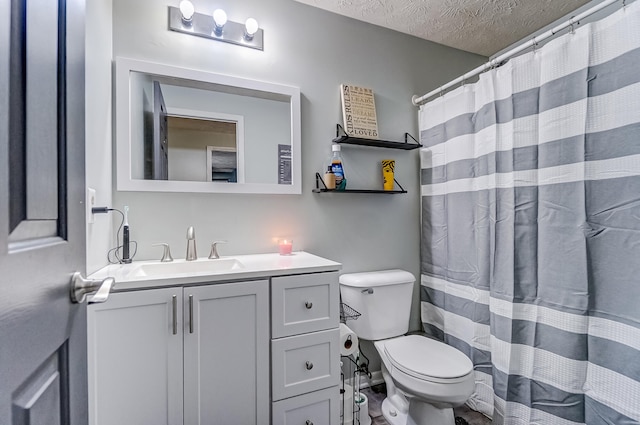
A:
(377, 393)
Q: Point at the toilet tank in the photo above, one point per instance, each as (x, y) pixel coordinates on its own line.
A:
(383, 298)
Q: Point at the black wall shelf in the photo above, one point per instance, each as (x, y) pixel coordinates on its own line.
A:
(321, 188)
(343, 138)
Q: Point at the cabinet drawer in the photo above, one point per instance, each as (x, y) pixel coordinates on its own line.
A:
(305, 303)
(305, 363)
(316, 408)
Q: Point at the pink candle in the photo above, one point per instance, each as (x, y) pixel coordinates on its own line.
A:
(285, 247)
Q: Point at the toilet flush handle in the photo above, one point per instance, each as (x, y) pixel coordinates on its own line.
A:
(367, 290)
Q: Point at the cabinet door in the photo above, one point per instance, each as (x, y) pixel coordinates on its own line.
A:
(226, 354)
(135, 358)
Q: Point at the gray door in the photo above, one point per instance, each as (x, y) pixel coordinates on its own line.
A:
(42, 236)
(160, 149)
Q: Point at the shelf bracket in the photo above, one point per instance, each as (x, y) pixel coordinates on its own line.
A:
(406, 139)
(321, 180)
(340, 129)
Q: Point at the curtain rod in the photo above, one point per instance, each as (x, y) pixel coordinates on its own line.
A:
(417, 101)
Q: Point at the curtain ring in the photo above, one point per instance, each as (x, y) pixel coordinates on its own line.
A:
(535, 45)
(624, 4)
(441, 91)
(462, 82)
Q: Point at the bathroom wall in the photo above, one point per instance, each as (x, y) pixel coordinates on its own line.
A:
(98, 127)
(316, 51)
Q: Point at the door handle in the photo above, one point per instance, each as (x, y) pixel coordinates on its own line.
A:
(94, 291)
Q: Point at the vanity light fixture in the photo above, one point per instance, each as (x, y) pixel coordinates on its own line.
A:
(215, 26)
(186, 11)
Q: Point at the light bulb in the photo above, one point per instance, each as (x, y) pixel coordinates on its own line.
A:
(219, 20)
(187, 10)
(250, 28)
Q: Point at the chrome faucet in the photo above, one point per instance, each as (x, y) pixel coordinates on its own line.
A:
(191, 245)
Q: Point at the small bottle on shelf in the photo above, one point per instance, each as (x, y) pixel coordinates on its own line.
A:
(329, 178)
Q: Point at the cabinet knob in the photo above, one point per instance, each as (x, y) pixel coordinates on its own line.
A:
(308, 304)
(309, 365)
(308, 422)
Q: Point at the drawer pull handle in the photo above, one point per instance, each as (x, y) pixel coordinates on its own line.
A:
(308, 304)
(308, 422)
(309, 365)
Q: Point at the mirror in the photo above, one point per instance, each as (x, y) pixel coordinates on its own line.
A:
(184, 130)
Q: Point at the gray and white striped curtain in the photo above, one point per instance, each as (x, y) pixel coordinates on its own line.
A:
(530, 254)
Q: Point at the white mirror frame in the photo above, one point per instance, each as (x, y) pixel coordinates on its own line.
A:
(124, 180)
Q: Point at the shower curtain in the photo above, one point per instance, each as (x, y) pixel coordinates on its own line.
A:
(530, 256)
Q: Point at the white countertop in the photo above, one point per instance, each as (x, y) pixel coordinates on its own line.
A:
(132, 276)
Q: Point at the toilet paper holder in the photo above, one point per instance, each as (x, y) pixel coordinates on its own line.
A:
(350, 415)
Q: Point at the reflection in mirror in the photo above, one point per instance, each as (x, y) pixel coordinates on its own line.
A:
(192, 131)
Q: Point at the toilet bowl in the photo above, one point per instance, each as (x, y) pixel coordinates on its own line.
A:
(425, 378)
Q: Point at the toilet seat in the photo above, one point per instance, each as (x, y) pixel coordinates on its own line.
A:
(428, 359)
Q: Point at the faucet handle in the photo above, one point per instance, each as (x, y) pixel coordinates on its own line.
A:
(166, 254)
(214, 250)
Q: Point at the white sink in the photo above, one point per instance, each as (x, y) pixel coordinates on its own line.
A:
(181, 267)
(153, 273)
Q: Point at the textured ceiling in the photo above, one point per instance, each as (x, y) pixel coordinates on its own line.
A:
(479, 26)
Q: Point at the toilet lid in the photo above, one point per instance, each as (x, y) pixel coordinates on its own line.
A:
(427, 358)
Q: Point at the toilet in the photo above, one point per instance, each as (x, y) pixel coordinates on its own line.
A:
(425, 378)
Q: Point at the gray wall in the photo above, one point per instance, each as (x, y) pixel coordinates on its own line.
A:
(316, 51)
(98, 128)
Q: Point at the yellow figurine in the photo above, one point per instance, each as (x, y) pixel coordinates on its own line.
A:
(387, 173)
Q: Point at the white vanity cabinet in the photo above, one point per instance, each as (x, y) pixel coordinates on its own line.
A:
(183, 355)
(246, 340)
(305, 353)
